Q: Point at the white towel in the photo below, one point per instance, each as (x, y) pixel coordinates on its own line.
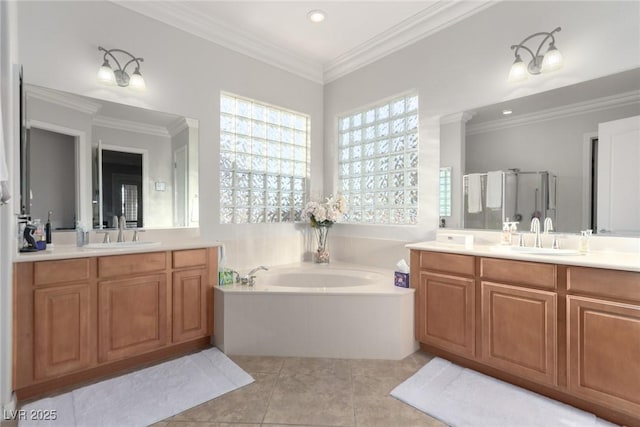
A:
(494, 189)
(552, 191)
(4, 172)
(474, 193)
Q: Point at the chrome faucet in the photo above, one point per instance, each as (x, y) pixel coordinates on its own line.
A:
(250, 279)
(535, 228)
(548, 225)
(122, 224)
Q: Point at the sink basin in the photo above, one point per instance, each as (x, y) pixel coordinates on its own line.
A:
(534, 251)
(122, 245)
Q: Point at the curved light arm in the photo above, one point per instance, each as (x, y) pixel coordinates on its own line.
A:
(548, 35)
(108, 52)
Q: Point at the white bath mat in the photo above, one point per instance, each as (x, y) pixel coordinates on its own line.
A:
(463, 397)
(143, 397)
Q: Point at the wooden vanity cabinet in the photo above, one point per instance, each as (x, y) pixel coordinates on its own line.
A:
(519, 321)
(571, 333)
(192, 315)
(445, 302)
(603, 312)
(83, 318)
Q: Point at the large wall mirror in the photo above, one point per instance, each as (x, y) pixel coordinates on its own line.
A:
(552, 161)
(90, 161)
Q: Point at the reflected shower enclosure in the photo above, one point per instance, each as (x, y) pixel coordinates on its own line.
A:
(525, 195)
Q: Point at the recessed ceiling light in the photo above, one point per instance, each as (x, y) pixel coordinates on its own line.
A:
(506, 112)
(316, 16)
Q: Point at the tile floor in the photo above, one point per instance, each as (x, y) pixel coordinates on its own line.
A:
(297, 392)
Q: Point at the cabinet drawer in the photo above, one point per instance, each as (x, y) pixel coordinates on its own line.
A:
(121, 265)
(189, 258)
(519, 272)
(68, 270)
(606, 283)
(449, 263)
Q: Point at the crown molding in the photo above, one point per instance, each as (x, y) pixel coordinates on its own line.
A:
(431, 20)
(184, 17)
(434, 18)
(598, 104)
(62, 99)
(457, 118)
(130, 126)
(181, 124)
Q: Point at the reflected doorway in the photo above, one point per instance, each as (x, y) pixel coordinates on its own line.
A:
(122, 189)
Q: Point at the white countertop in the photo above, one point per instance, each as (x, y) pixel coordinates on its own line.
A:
(629, 261)
(72, 251)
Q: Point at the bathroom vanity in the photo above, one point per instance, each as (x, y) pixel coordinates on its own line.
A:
(83, 314)
(566, 327)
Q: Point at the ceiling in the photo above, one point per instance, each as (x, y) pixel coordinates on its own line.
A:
(354, 33)
(604, 92)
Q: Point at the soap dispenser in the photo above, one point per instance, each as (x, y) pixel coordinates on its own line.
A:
(505, 238)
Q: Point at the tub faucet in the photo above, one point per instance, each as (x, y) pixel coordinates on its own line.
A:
(122, 224)
(535, 228)
(250, 279)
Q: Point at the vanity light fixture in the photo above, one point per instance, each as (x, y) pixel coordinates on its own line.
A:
(316, 16)
(550, 61)
(109, 76)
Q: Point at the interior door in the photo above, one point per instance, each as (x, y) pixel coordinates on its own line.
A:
(618, 176)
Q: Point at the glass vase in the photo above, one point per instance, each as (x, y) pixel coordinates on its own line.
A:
(321, 255)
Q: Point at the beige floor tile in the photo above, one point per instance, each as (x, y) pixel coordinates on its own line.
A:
(245, 405)
(311, 399)
(259, 364)
(387, 411)
(420, 358)
(397, 369)
(314, 366)
(365, 386)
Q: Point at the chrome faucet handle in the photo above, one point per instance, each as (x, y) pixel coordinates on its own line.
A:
(555, 244)
(107, 237)
(135, 234)
(252, 280)
(520, 237)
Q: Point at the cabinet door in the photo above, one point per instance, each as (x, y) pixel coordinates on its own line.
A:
(132, 317)
(190, 292)
(519, 331)
(61, 330)
(604, 352)
(446, 313)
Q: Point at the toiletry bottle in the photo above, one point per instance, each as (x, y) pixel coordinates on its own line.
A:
(583, 244)
(505, 238)
(47, 228)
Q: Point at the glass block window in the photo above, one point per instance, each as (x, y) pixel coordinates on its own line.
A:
(263, 162)
(378, 162)
(445, 191)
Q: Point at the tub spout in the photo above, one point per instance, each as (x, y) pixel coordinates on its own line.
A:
(250, 278)
(262, 267)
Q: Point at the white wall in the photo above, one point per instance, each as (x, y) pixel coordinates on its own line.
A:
(553, 145)
(466, 66)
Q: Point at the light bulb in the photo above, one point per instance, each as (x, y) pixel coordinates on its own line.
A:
(518, 71)
(136, 82)
(105, 74)
(316, 16)
(552, 59)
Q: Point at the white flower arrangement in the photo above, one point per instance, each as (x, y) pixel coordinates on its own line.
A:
(326, 213)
